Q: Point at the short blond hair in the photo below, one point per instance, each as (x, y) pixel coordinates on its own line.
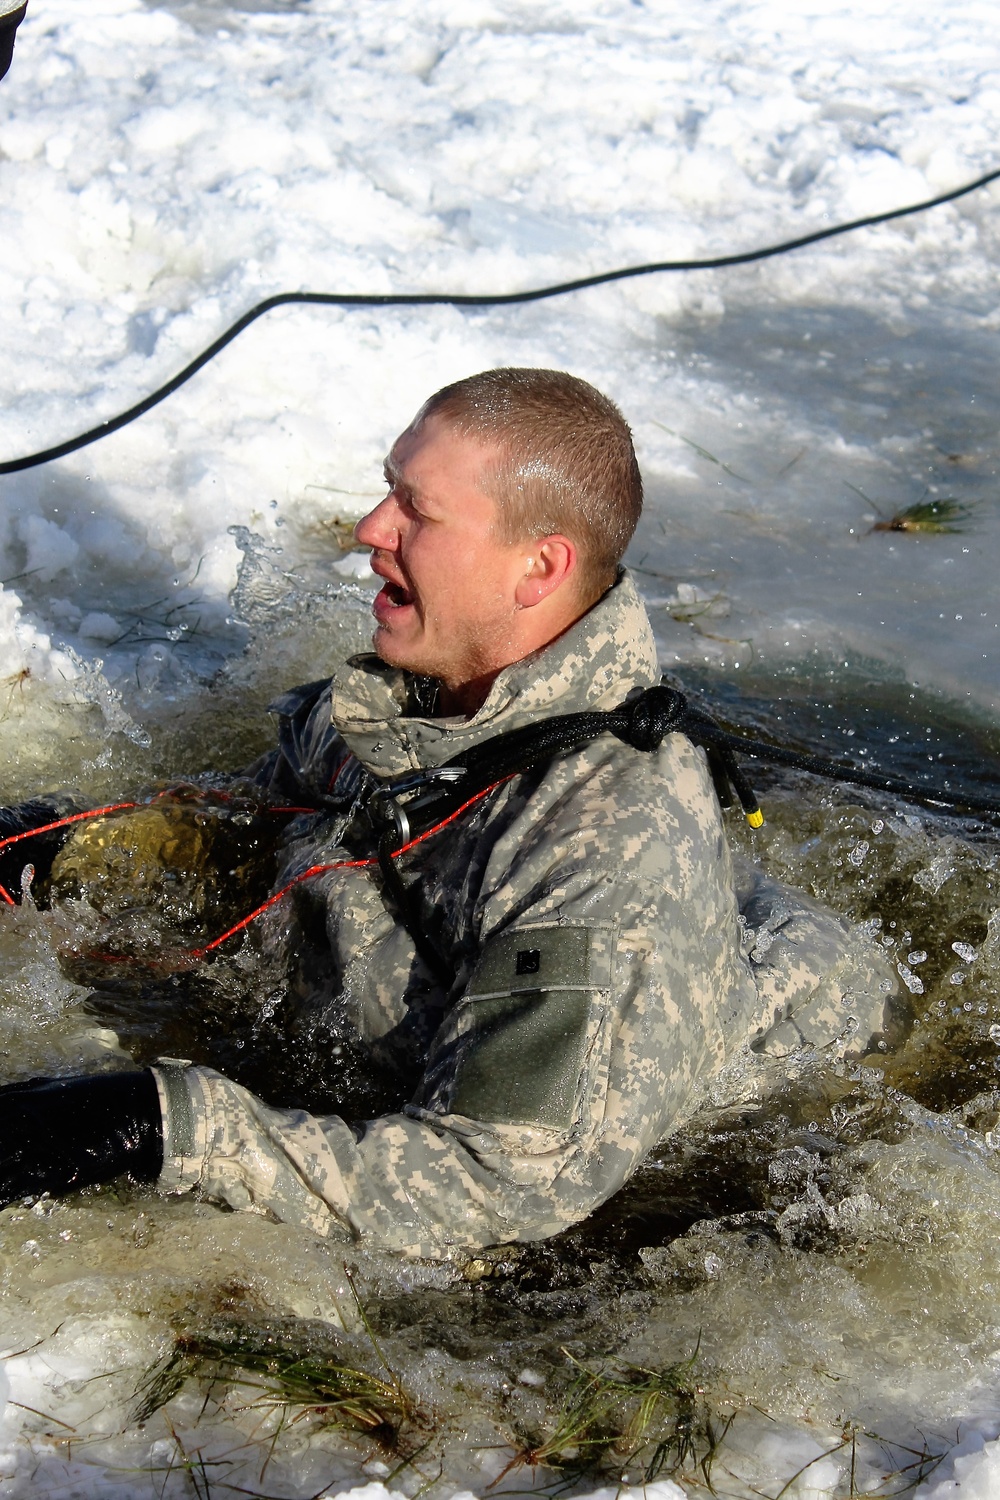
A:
(566, 463)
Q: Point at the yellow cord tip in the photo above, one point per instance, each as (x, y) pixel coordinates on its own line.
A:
(755, 818)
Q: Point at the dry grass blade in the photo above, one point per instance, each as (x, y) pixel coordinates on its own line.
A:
(902, 1478)
(702, 452)
(14, 684)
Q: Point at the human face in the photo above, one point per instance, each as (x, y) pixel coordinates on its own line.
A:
(448, 605)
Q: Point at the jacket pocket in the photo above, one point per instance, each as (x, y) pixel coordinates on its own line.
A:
(526, 1026)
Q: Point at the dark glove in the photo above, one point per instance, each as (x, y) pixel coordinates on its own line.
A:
(57, 1134)
(40, 851)
(10, 20)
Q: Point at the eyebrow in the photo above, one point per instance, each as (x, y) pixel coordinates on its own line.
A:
(391, 471)
(395, 477)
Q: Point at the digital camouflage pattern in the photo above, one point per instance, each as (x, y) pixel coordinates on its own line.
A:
(602, 970)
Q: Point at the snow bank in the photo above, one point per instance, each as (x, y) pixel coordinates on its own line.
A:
(164, 168)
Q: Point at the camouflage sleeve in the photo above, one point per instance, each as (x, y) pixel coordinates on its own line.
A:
(819, 982)
(607, 982)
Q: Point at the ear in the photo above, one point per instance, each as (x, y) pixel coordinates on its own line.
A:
(549, 564)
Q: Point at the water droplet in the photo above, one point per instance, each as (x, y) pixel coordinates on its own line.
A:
(913, 984)
(918, 956)
(964, 951)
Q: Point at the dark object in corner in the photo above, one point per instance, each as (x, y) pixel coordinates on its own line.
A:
(10, 20)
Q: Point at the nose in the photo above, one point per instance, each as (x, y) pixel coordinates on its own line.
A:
(379, 528)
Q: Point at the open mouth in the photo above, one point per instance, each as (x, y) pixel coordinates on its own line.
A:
(390, 598)
(396, 595)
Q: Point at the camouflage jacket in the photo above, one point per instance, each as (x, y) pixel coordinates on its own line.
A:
(588, 914)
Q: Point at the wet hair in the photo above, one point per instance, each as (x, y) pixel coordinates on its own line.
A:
(566, 462)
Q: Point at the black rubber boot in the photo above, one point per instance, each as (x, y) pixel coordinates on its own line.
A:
(57, 1134)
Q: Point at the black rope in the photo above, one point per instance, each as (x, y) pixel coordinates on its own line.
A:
(470, 299)
(643, 722)
(876, 780)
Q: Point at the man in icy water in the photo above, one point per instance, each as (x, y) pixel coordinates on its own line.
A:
(566, 963)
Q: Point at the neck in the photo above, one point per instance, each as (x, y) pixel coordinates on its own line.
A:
(466, 698)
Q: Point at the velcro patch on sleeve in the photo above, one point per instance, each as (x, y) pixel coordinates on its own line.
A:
(526, 1030)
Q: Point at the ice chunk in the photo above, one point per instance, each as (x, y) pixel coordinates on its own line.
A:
(98, 626)
(50, 549)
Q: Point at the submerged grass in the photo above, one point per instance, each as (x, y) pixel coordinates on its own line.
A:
(703, 452)
(620, 1422)
(928, 515)
(628, 1424)
(292, 1364)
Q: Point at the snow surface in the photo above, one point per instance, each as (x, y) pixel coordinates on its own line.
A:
(163, 167)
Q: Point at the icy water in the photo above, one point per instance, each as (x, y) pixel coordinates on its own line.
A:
(804, 1279)
(797, 1295)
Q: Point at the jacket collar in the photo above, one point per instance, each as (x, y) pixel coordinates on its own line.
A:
(594, 664)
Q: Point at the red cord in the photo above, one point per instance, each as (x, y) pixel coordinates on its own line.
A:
(342, 762)
(98, 812)
(30, 833)
(452, 816)
(344, 864)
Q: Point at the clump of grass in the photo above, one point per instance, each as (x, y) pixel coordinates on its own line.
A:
(337, 528)
(294, 1364)
(630, 1424)
(945, 515)
(928, 515)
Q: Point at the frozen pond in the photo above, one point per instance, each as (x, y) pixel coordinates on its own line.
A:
(816, 1256)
